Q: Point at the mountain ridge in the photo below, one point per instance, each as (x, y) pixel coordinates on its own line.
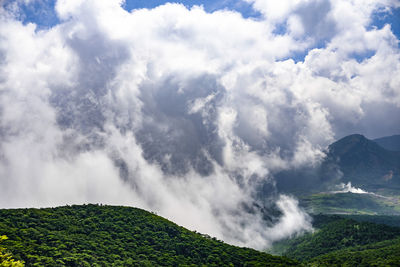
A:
(363, 162)
(389, 142)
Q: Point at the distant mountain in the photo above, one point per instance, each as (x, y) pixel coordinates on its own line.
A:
(389, 142)
(354, 159)
(93, 235)
(362, 162)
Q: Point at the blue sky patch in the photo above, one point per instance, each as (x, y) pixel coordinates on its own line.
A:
(40, 12)
(209, 5)
(380, 19)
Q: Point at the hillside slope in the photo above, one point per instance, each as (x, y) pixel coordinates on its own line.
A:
(92, 235)
(389, 142)
(385, 253)
(334, 233)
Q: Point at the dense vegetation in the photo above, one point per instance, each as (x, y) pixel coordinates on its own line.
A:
(92, 235)
(6, 259)
(321, 220)
(391, 220)
(385, 253)
(335, 233)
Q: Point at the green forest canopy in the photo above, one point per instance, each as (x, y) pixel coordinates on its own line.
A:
(93, 235)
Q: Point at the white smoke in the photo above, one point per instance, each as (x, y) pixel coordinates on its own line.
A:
(184, 112)
(348, 188)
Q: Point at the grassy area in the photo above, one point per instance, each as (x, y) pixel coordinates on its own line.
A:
(349, 203)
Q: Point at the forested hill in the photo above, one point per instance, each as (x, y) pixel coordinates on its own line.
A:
(346, 241)
(338, 234)
(93, 235)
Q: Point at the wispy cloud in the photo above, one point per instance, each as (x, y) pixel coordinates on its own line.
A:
(185, 112)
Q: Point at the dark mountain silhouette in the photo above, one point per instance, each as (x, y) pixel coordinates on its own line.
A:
(389, 142)
(362, 162)
(354, 159)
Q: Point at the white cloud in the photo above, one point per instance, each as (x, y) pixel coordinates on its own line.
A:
(184, 112)
(348, 188)
(276, 11)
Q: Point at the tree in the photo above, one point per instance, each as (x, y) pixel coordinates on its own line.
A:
(6, 259)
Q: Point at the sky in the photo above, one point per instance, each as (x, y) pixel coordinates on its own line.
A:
(189, 109)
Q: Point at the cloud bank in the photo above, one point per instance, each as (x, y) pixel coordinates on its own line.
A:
(188, 113)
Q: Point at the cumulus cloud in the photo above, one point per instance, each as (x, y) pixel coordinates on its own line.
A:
(188, 113)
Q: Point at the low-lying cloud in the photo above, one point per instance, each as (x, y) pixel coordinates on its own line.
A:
(348, 188)
(188, 113)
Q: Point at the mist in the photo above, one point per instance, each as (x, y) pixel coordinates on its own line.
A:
(186, 113)
(348, 188)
